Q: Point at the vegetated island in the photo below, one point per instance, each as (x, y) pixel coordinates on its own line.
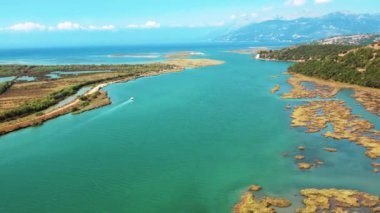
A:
(30, 103)
(183, 54)
(193, 63)
(185, 59)
(315, 200)
(342, 66)
(331, 68)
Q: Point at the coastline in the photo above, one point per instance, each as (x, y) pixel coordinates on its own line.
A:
(270, 59)
(315, 115)
(34, 120)
(193, 63)
(313, 199)
(366, 96)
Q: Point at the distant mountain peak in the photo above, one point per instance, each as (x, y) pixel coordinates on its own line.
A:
(306, 29)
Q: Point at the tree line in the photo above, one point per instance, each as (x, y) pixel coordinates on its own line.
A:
(4, 86)
(361, 67)
(55, 97)
(40, 70)
(306, 52)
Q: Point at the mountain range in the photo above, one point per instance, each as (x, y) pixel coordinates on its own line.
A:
(305, 29)
(357, 39)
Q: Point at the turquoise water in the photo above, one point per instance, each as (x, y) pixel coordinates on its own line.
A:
(59, 74)
(53, 76)
(191, 141)
(99, 55)
(79, 72)
(5, 79)
(26, 78)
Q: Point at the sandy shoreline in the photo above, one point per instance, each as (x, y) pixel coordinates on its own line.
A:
(193, 63)
(33, 120)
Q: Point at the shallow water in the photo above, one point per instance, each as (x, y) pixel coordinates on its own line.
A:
(191, 141)
(26, 78)
(70, 99)
(79, 72)
(5, 79)
(59, 74)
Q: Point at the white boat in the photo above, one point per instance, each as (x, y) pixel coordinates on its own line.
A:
(132, 98)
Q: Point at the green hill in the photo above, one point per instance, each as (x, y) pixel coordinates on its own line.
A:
(306, 52)
(359, 66)
(344, 63)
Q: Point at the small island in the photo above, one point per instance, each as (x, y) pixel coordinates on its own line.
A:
(193, 63)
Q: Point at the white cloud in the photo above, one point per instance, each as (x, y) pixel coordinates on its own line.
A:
(27, 26)
(33, 26)
(233, 17)
(75, 26)
(295, 2)
(146, 25)
(322, 1)
(69, 26)
(104, 27)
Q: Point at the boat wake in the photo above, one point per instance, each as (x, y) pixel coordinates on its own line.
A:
(129, 101)
(115, 108)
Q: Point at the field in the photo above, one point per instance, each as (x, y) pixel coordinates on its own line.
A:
(28, 101)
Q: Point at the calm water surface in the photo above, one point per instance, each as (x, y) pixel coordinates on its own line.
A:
(191, 141)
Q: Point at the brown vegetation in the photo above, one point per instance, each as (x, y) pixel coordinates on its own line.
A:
(193, 63)
(317, 114)
(315, 200)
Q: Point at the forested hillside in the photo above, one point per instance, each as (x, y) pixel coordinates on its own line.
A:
(359, 66)
(345, 63)
(306, 52)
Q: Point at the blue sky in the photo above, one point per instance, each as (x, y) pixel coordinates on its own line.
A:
(28, 23)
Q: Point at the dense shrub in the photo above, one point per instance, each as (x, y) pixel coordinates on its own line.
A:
(52, 99)
(5, 86)
(361, 67)
(306, 52)
(41, 70)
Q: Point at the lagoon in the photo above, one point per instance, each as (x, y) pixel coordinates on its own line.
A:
(191, 141)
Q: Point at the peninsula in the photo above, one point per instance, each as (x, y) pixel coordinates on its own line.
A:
(30, 103)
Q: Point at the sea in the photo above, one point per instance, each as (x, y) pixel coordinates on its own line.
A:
(191, 141)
